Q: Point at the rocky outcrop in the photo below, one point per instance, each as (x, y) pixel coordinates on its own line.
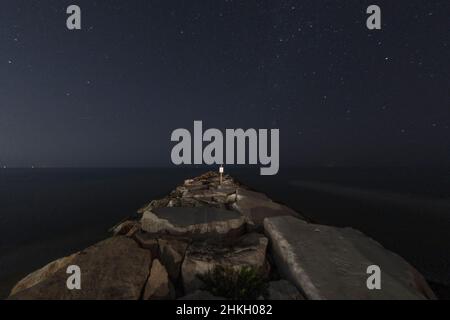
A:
(201, 191)
(283, 290)
(255, 207)
(114, 269)
(123, 228)
(249, 250)
(331, 263)
(199, 222)
(172, 255)
(147, 241)
(158, 286)
(45, 272)
(204, 225)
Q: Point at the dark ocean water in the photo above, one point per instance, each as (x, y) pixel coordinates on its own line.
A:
(49, 213)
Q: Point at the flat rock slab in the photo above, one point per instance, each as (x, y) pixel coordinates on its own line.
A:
(257, 206)
(331, 263)
(184, 217)
(283, 290)
(193, 222)
(114, 269)
(243, 193)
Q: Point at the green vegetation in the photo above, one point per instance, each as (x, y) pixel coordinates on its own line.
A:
(246, 283)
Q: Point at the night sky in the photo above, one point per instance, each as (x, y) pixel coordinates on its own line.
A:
(112, 93)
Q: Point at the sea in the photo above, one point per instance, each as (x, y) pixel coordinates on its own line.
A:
(49, 213)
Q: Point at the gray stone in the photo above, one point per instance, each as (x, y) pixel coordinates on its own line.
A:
(283, 290)
(195, 187)
(394, 264)
(40, 275)
(249, 250)
(193, 182)
(226, 189)
(190, 202)
(172, 255)
(123, 227)
(158, 286)
(175, 202)
(256, 207)
(147, 241)
(330, 263)
(134, 229)
(208, 194)
(243, 193)
(114, 269)
(160, 203)
(194, 222)
(231, 198)
(201, 295)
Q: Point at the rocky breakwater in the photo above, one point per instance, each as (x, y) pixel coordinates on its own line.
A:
(212, 240)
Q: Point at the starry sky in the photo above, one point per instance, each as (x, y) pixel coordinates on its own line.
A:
(110, 95)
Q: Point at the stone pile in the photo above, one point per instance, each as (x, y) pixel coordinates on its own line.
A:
(203, 224)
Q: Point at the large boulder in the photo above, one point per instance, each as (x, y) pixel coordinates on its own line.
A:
(283, 290)
(172, 254)
(199, 222)
(123, 228)
(255, 207)
(158, 285)
(40, 275)
(331, 263)
(147, 241)
(114, 269)
(201, 257)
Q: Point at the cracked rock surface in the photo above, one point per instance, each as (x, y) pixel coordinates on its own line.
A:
(205, 223)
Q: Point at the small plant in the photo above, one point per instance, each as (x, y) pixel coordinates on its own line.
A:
(246, 283)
